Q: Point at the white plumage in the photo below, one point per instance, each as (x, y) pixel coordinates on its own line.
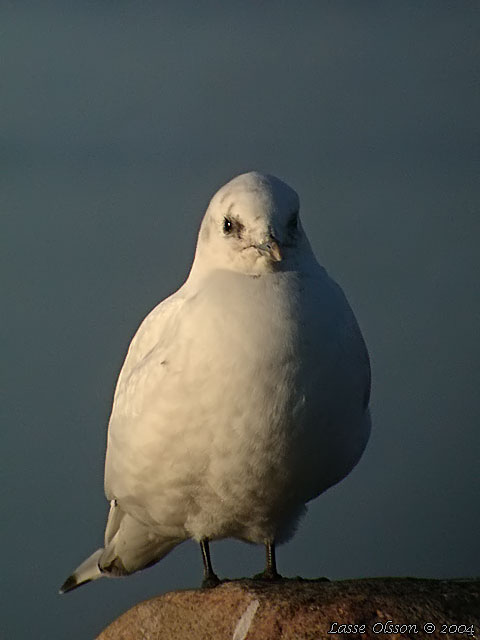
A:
(243, 395)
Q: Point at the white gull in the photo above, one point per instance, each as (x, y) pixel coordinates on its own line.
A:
(243, 395)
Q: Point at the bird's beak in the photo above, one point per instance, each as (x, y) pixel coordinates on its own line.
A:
(271, 248)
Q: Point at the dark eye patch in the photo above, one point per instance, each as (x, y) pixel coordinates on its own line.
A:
(232, 226)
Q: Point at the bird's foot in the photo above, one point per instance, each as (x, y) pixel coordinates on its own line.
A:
(210, 581)
(268, 576)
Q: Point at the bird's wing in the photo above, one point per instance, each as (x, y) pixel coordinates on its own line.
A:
(142, 377)
(149, 335)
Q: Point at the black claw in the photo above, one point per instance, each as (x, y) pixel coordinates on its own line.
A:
(210, 582)
(268, 576)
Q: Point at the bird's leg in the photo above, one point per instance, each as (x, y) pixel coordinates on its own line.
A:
(209, 577)
(270, 571)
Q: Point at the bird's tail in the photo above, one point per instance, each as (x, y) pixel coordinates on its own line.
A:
(129, 546)
(85, 572)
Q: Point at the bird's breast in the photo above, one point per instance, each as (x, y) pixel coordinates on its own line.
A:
(248, 369)
(244, 414)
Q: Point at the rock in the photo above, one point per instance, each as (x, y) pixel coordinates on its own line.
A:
(297, 609)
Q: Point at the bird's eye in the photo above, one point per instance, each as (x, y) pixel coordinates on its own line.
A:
(227, 226)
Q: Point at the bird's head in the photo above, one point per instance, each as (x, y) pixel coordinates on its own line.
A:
(251, 226)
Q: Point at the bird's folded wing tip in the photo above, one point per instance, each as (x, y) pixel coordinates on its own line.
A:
(69, 584)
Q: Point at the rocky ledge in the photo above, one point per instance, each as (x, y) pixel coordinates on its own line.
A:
(297, 609)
